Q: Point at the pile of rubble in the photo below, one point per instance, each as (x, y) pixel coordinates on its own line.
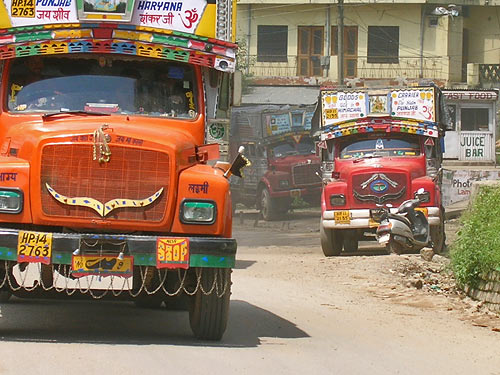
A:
(430, 275)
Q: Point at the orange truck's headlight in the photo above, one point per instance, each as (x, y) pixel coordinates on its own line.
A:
(11, 201)
(198, 211)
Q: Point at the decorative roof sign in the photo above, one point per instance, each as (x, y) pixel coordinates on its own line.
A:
(345, 106)
(189, 16)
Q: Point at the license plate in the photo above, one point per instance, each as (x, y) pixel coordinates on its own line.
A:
(102, 265)
(342, 217)
(34, 247)
(384, 239)
(424, 210)
(172, 252)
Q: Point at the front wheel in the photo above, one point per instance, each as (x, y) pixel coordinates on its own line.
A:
(209, 307)
(268, 207)
(331, 240)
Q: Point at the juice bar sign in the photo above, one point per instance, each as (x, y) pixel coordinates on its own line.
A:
(473, 146)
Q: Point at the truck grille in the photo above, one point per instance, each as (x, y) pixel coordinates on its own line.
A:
(305, 174)
(131, 174)
(380, 187)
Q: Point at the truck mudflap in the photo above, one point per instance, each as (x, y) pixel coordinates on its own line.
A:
(364, 218)
(104, 264)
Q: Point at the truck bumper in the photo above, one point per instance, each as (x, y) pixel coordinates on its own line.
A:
(361, 218)
(296, 193)
(215, 252)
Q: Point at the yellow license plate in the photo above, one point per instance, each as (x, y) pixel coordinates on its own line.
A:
(101, 265)
(172, 252)
(342, 217)
(34, 247)
(331, 114)
(424, 210)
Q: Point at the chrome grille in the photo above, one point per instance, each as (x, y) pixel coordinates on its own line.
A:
(130, 174)
(305, 174)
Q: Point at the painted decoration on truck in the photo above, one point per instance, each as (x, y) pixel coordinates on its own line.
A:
(278, 124)
(189, 16)
(175, 15)
(340, 106)
(38, 12)
(416, 104)
(345, 107)
(102, 10)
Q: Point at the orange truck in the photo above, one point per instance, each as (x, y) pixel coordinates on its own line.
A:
(107, 184)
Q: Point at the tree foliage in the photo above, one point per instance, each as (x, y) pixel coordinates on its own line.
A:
(477, 248)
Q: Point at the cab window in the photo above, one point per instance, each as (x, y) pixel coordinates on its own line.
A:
(93, 83)
(379, 147)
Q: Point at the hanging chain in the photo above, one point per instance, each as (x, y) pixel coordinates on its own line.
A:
(15, 279)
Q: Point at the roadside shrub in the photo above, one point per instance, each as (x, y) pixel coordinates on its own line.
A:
(477, 248)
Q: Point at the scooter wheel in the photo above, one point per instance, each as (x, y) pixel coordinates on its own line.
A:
(393, 247)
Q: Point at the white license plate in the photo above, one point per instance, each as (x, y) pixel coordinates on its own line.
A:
(384, 239)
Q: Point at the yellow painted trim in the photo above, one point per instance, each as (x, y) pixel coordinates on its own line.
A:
(206, 27)
(4, 17)
(103, 209)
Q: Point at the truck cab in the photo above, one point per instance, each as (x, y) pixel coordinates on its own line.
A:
(284, 165)
(109, 187)
(378, 149)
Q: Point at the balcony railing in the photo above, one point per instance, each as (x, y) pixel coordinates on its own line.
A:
(407, 67)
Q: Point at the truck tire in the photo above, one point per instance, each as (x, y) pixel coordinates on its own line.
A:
(438, 235)
(5, 292)
(208, 314)
(5, 296)
(268, 207)
(351, 244)
(331, 240)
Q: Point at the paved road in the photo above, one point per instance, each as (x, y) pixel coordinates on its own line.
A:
(292, 312)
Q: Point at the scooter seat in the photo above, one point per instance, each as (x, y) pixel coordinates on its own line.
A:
(400, 218)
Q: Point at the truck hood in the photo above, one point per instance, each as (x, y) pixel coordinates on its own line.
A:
(106, 170)
(380, 180)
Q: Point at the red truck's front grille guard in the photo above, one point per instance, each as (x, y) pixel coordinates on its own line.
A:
(305, 174)
(380, 187)
(131, 174)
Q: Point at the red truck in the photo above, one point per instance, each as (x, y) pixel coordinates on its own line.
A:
(378, 147)
(284, 165)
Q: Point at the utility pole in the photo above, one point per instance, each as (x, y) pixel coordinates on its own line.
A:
(340, 43)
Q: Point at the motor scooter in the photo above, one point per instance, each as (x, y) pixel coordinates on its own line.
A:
(405, 230)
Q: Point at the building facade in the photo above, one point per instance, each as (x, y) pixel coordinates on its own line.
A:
(297, 41)
(303, 44)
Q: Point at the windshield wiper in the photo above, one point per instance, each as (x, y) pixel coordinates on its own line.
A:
(75, 112)
(367, 156)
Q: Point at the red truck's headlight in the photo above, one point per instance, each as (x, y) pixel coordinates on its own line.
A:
(337, 200)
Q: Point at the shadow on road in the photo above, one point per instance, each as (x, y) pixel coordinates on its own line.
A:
(121, 323)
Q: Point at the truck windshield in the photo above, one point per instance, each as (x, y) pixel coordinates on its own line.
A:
(304, 147)
(110, 84)
(379, 147)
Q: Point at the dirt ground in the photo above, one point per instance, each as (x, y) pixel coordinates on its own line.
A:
(289, 250)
